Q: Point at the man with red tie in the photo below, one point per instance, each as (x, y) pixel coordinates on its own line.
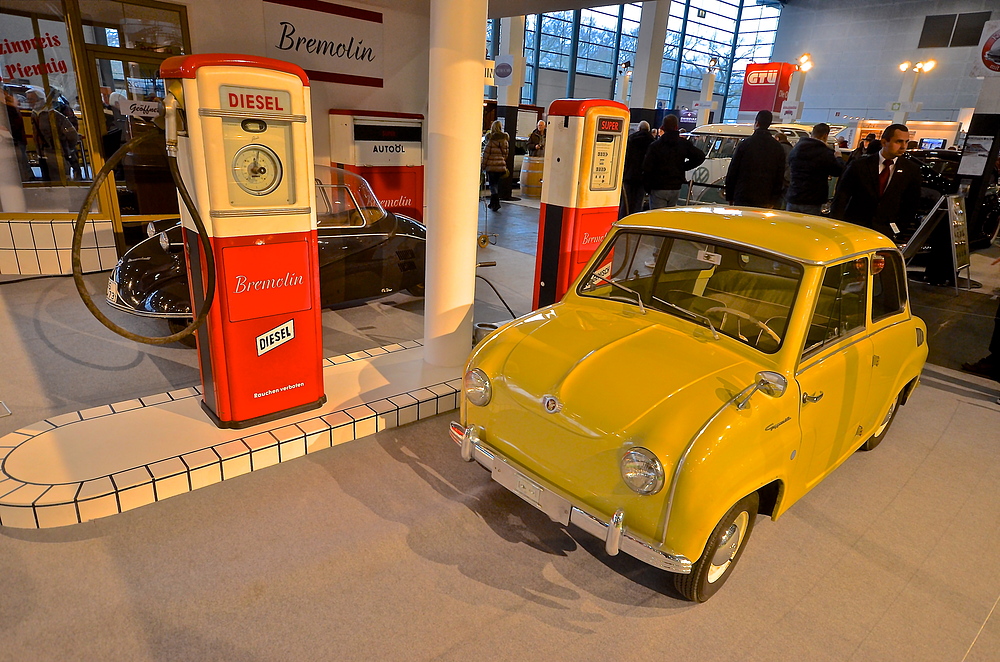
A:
(881, 190)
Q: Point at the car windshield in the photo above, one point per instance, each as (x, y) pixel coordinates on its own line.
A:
(739, 292)
(345, 199)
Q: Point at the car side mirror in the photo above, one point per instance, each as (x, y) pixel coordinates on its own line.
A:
(768, 383)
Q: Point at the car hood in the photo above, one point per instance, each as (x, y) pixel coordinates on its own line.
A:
(609, 371)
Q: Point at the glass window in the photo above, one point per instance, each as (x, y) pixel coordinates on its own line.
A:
(840, 305)
(151, 28)
(743, 294)
(48, 165)
(888, 285)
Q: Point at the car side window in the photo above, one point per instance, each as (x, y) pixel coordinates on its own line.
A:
(840, 305)
(888, 285)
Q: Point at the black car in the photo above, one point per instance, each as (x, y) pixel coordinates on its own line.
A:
(939, 170)
(365, 252)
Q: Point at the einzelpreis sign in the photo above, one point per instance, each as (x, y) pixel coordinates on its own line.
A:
(333, 43)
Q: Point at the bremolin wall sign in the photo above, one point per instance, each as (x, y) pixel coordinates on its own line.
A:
(331, 42)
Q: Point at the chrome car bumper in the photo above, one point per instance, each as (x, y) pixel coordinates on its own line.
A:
(614, 534)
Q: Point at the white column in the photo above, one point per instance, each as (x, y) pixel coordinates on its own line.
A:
(512, 43)
(707, 90)
(906, 93)
(454, 119)
(649, 53)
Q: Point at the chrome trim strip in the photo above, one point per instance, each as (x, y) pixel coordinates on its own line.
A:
(687, 449)
(837, 348)
(626, 542)
(143, 313)
(276, 211)
(264, 115)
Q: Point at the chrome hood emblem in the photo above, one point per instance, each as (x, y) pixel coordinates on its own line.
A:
(551, 404)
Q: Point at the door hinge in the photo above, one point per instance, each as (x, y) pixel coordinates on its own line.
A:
(860, 431)
(875, 360)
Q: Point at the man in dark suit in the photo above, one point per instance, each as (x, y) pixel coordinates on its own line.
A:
(635, 152)
(880, 191)
(756, 174)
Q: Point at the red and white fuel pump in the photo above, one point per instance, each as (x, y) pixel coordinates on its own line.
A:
(387, 150)
(243, 138)
(581, 189)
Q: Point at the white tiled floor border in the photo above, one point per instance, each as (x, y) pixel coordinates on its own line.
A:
(28, 505)
(44, 246)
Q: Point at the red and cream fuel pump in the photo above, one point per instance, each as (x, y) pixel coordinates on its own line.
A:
(241, 131)
(581, 189)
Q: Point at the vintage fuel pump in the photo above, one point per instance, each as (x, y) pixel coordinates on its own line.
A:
(240, 129)
(581, 189)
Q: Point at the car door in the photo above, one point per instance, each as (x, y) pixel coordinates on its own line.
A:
(892, 337)
(834, 373)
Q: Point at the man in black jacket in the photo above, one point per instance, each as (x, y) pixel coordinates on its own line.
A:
(812, 164)
(880, 191)
(635, 152)
(667, 159)
(756, 174)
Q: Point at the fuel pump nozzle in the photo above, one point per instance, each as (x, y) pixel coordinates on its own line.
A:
(170, 107)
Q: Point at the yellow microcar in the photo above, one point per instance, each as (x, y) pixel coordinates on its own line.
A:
(709, 365)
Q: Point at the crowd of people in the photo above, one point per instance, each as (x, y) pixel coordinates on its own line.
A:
(877, 188)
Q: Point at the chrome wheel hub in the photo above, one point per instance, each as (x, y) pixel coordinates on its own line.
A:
(729, 545)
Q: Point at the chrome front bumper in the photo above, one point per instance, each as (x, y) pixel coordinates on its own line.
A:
(614, 533)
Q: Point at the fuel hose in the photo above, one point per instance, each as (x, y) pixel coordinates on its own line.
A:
(81, 221)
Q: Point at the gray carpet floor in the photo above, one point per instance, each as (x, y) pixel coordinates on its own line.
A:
(392, 548)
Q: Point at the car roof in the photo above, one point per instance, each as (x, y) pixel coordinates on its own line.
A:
(802, 238)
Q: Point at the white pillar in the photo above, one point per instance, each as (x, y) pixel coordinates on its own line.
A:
(454, 119)
(906, 93)
(707, 90)
(512, 43)
(649, 53)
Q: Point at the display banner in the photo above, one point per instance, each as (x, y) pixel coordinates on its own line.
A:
(331, 42)
(988, 54)
(765, 86)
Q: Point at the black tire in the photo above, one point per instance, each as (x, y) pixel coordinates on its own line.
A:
(712, 570)
(176, 326)
(883, 429)
(416, 290)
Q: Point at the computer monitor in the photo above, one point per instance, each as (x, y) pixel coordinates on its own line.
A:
(932, 143)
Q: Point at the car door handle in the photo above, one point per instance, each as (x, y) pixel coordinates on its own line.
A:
(806, 398)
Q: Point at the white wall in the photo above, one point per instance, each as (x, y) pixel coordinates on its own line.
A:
(217, 26)
(857, 46)
(552, 86)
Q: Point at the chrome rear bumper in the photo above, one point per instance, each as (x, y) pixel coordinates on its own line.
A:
(615, 535)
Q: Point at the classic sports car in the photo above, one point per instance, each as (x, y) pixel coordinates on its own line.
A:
(709, 365)
(364, 252)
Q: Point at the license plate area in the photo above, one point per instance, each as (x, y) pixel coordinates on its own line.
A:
(553, 505)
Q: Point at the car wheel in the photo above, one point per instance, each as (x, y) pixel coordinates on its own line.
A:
(724, 548)
(880, 433)
(176, 326)
(416, 290)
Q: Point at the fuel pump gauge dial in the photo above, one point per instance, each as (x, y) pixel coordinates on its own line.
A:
(257, 169)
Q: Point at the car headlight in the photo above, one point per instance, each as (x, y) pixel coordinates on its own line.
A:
(477, 387)
(164, 242)
(641, 471)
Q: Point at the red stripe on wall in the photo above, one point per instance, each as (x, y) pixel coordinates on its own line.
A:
(345, 79)
(330, 8)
